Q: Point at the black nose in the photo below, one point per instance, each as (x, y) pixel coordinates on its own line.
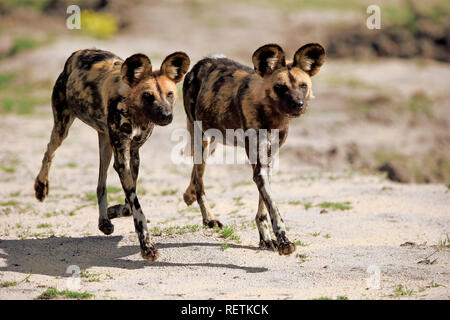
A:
(166, 118)
(298, 104)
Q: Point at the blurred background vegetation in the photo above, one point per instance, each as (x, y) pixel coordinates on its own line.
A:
(368, 82)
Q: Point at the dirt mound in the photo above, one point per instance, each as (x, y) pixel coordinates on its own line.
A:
(420, 36)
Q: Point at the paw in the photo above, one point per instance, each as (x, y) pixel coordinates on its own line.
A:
(286, 248)
(268, 245)
(189, 197)
(213, 223)
(150, 253)
(106, 227)
(41, 189)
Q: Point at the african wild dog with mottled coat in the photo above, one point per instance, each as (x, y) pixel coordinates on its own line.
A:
(122, 100)
(223, 94)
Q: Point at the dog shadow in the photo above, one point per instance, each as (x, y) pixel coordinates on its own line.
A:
(52, 256)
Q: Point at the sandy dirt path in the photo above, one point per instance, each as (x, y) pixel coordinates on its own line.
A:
(43, 239)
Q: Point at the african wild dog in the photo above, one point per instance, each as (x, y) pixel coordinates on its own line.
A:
(223, 94)
(122, 100)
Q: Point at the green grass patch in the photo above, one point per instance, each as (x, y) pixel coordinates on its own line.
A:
(418, 103)
(112, 189)
(20, 96)
(37, 5)
(156, 231)
(228, 232)
(90, 277)
(7, 169)
(301, 244)
(401, 290)
(224, 246)
(10, 203)
(44, 225)
(7, 284)
(307, 205)
(52, 293)
(169, 192)
(335, 205)
(445, 242)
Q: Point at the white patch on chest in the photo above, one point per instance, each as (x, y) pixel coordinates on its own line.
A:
(135, 132)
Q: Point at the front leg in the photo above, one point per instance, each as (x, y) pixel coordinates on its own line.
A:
(124, 210)
(261, 178)
(122, 157)
(262, 159)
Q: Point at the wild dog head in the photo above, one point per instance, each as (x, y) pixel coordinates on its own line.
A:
(287, 86)
(153, 94)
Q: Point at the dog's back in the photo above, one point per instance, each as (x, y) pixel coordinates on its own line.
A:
(213, 92)
(90, 77)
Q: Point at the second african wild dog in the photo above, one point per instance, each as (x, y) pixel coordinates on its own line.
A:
(223, 94)
(122, 100)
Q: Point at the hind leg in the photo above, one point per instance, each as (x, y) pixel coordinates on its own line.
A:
(197, 188)
(62, 122)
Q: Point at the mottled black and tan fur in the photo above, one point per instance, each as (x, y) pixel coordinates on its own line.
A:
(122, 100)
(223, 94)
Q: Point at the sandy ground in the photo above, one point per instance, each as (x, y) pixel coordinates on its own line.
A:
(39, 241)
(193, 265)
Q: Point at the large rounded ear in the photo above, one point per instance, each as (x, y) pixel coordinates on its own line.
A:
(268, 58)
(309, 58)
(135, 68)
(175, 66)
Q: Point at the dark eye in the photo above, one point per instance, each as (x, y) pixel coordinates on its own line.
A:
(280, 88)
(148, 97)
(170, 95)
(303, 86)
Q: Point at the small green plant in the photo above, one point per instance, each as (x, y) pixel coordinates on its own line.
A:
(341, 298)
(238, 201)
(228, 233)
(23, 44)
(327, 236)
(445, 242)
(335, 205)
(302, 257)
(169, 192)
(301, 244)
(307, 205)
(7, 284)
(315, 234)
(241, 183)
(10, 203)
(44, 225)
(72, 165)
(90, 277)
(7, 169)
(52, 293)
(295, 202)
(419, 102)
(400, 290)
(224, 246)
(92, 197)
(112, 189)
